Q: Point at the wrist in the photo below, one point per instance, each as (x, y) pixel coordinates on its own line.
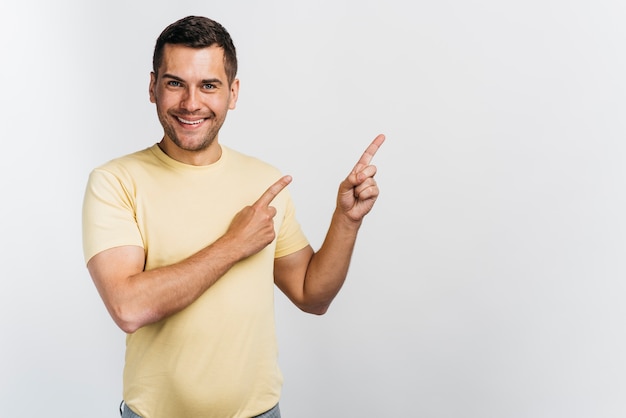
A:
(344, 220)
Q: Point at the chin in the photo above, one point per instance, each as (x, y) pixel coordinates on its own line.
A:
(194, 146)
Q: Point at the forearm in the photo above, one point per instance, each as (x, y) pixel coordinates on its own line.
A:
(312, 280)
(176, 286)
(146, 297)
(328, 267)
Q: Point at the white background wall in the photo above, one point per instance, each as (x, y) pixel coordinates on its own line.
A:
(489, 280)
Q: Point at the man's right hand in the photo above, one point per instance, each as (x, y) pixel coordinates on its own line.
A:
(253, 227)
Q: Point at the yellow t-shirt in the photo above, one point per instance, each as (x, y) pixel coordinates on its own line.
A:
(218, 357)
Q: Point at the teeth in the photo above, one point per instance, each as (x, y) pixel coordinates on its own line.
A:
(190, 122)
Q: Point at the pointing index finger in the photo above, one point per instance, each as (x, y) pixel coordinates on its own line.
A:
(369, 153)
(272, 191)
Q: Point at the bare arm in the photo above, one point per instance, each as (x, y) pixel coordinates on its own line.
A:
(135, 297)
(311, 280)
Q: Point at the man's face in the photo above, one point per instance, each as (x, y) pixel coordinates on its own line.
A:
(192, 96)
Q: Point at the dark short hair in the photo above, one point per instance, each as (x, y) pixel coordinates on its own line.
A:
(197, 32)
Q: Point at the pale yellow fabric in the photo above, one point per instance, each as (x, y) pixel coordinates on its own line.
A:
(218, 357)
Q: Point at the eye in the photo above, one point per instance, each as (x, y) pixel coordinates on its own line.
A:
(174, 83)
(208, 86)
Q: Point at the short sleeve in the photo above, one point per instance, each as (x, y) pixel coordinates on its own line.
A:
(291, 238)
(108, 214)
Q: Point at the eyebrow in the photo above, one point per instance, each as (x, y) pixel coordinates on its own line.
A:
(205, 81)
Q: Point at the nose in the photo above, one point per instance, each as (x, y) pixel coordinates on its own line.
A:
(190, 100)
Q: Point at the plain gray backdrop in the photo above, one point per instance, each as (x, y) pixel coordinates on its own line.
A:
(489, 280)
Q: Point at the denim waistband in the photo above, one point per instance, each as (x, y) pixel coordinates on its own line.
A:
(126, 412)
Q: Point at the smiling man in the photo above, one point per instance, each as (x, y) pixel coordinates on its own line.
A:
(186, 239)
(192, 93)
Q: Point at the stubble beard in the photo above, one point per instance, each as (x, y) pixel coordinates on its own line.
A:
(208, 138)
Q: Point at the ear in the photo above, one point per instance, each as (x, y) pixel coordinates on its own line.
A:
(152, 87)
(234, 94)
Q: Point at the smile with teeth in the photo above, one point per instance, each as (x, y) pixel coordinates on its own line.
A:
(190, 122)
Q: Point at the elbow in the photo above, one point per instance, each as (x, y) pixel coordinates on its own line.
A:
(127, 326)
(318, 309)
(127, 320)
(315, 305)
